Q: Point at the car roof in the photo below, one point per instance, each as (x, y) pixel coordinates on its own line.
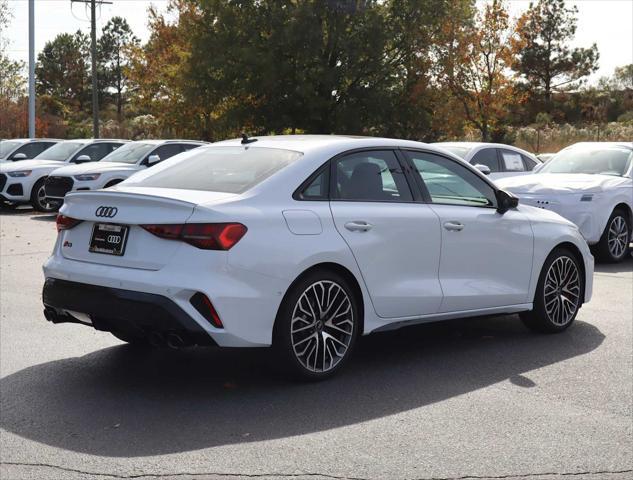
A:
(628, 145)
(26, 140)
(171, 140)
(310, 143)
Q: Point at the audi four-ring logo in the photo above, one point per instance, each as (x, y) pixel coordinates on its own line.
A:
(114, 239)
(106, 212)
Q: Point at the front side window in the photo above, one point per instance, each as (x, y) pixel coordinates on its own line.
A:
(32, 149)
(512, 161)
(371, 176)
(450, 183)
(96, 151)
(166, 151)
(216, 169)
(487, 157)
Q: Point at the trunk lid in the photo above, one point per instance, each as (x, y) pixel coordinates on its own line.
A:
(128, 208)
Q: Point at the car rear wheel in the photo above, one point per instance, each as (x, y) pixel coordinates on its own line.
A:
(38, 198)
(317, 325)
(558, 293)
(614, 243)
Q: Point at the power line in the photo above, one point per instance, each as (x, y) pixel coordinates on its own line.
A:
(93, 53)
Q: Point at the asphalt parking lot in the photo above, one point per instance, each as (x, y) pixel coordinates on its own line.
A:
(466, 399)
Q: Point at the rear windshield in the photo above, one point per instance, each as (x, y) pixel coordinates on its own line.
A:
(6, 147)
(60, 151)
(217, 169)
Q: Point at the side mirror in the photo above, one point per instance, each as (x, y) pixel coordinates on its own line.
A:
(506, 201)
(19, 156)
(83, 158)
(485, 169)
(153, 159)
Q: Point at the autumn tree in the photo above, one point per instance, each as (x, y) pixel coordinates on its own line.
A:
(474, 60)
(114, 46)
(545, 60)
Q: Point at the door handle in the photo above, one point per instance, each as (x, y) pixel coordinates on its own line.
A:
(358, 226)
(453, 226)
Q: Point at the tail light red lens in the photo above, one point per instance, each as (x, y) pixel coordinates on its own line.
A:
(207, 236)
(66, 223)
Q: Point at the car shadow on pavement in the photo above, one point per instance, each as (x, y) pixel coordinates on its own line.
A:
(623, 266)
(45, 217)
(123, 402)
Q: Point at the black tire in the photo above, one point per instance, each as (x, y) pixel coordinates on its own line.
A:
(330, 356)
(610, 248)
(38, 198)
(544, 317)
(131, 339)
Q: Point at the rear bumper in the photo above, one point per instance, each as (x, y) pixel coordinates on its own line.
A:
(116, 310)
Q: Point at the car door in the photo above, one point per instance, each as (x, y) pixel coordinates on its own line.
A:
(394, 239)
(486, 256)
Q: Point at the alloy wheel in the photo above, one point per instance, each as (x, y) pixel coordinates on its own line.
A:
(562, 291)
(322, 326)
(618, 236)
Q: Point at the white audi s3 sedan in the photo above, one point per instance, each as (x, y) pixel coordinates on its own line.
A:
(304, 243)
(590, 184)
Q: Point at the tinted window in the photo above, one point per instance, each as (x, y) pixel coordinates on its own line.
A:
(487, 157)
(167, 151)
(31, 150)
(189, 146)
(97, 151)
(512, 161)
(450, 183)
(217, 169)
(371, 176)
(318, 188)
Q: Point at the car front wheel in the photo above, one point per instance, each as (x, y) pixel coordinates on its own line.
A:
(317, 325)
(558, 293)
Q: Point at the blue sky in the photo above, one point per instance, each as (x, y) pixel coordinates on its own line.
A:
(609, 23)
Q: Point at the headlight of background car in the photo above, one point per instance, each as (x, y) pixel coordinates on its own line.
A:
(21, 173)
(87, 176)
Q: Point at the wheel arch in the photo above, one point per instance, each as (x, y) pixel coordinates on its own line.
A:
(345, 273)
(627, 208)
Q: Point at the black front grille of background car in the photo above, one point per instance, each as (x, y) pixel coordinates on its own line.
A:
(58, 186)
(3, 181)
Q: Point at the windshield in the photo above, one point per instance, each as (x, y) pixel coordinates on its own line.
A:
(7, 146)
(130, 153)
(459, 151)
(216, 169)
(60, 151)
(607, 160)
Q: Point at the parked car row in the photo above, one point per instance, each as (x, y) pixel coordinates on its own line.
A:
(75, 165)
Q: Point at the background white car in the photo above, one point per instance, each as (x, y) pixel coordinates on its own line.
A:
(114, 168)
(501, 160)
(591, 185)
(305, 243)
(23, 181)
(24, 148)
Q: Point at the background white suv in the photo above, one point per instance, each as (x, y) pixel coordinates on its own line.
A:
(113, 168)
(23, 181)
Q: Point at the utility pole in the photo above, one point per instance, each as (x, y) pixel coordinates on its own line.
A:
(93, 55)
(31, 68)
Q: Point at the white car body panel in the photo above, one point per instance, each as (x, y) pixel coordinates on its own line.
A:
(400, 261)
(563, 193)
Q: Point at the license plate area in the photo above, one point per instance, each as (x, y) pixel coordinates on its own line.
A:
(108, 239)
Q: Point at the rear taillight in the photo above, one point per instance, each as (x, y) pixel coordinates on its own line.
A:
(66, 223)
(207, 236)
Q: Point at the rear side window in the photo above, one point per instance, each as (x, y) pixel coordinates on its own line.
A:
(217, 169)
(512, 161)
(318, 187)
(529, 163)
(374, 176)
(487, 157)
